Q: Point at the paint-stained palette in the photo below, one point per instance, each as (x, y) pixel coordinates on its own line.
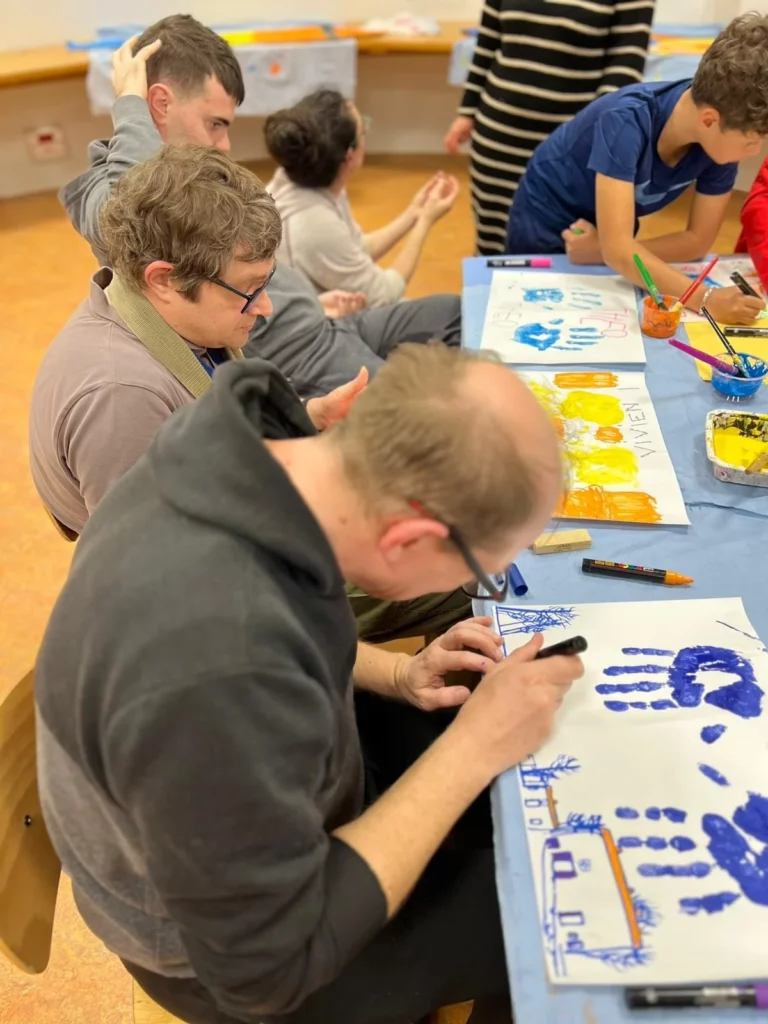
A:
(618, 466)
(562, 319)
(646, 814)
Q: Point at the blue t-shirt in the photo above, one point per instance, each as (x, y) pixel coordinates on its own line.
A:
(616, 135)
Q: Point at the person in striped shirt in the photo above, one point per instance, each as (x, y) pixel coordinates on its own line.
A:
(537, 63)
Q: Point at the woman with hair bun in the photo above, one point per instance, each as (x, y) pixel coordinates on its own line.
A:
(319, 144)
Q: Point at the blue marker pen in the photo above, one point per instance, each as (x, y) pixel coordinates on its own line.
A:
(516, 581)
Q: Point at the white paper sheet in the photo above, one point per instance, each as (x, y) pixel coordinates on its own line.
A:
(561, 319)
(647, 811)
(618, 466)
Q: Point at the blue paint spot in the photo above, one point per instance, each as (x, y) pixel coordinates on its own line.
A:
(713, 774)
(682, 844)
(537, 336)
(630, 842)
(663, 705)
(628, 670)
(712, 904)
(698, 869)
(533, 620)
(710, 733)
(752, 818)
(656, 843)
(653, 813)
(616, 705)
(642, 687)
(731, 851)
(648, 650)
(628, 813)
(543, 295)
(742, 698)
(639, 704)
(675, 815)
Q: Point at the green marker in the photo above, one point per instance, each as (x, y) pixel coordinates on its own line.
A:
(577, 231)
(654, 291)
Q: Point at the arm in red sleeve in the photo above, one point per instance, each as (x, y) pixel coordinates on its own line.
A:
(754, 225)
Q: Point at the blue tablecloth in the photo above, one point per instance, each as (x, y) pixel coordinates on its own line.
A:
(721, 549)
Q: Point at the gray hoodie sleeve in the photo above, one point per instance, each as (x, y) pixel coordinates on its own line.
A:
(135, 140)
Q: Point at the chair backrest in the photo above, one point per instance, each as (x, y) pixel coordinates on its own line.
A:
(29, 867)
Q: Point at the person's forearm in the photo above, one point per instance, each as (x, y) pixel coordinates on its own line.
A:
(378, 243)
(398, 835)
(668, 280)
(378, 670)
(407, 259)
(680, 247)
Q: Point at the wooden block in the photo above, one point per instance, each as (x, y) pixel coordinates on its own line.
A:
(562, 540)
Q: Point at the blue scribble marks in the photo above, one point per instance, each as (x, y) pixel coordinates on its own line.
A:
(712, 904)
(533, 620)
(627, 813)
(743, 697)
(712, 733)
(534, 776)
(646, 915)
(698, 869)
(543, 337)
(732, 852)
(592, 823)
(713, 774)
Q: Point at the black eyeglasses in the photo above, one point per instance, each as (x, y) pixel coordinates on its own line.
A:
(249, 299)
(491, 588)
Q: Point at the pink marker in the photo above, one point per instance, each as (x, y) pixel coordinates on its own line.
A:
(538, 262)
(704, 357)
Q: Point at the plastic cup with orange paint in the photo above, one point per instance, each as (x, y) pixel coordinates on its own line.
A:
(660, 323)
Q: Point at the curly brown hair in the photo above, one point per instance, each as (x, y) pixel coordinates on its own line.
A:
(190, 54)
(732, 77)
(193, 207)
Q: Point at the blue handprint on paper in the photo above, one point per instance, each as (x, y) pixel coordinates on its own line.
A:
(545, 336)
(552, 298)
(730, 847)
(681, 687)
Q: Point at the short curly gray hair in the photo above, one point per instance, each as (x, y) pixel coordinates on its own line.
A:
(193, 207)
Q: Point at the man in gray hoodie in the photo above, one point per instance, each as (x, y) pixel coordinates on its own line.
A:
(180, 82)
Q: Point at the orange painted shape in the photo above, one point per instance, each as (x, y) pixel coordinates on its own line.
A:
(621, 882)
(586, 379)
(616, 506)
(612, 435)
(275, 69)
(552, 804)
(559, 424)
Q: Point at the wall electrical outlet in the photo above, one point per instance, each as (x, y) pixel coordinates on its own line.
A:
(47, 143)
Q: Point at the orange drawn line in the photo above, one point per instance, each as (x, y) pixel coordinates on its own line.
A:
(621, 881)
(616, 506)
(552, 808)
(612, 435)
(586, 379)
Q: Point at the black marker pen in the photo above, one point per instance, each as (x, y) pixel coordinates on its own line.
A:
(575, 645)
(746, 332)
(718, 996)
(744, 286)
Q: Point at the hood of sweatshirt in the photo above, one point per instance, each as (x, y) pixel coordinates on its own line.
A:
(209, 462)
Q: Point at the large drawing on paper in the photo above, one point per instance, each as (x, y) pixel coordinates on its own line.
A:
(562, 319)
(618, 467)
(646, 814)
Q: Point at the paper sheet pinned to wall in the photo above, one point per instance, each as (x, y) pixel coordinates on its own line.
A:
(646, 813)
(562, 319)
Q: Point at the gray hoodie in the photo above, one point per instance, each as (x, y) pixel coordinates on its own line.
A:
(322, 239)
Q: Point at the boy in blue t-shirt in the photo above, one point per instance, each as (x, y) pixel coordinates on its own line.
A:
(635, 151)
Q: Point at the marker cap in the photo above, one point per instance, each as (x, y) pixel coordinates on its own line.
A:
(541, 262)
(518, 584)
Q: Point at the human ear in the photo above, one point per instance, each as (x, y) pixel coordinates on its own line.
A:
(157, 280)
(159, 101)
(400, 536)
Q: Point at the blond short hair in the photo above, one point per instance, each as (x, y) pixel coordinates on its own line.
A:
(413, 436)
(732, 77)
(193, 207)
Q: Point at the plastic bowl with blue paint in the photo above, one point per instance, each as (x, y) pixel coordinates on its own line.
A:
(740, 389)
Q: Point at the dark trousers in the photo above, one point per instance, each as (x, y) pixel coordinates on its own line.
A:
(445, 946)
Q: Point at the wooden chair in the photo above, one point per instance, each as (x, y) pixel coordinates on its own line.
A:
(29, 867)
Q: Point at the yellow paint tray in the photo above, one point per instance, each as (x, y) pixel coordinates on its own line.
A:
(751, 425)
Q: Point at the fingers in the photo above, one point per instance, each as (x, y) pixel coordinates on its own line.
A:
(146, 51)
(472, 634)
(445, 697)
(528, 651)
(562, 671)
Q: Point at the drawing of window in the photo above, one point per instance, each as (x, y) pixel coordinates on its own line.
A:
(535, 803)
(571, 918)
(535, 821)
(563, 866)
